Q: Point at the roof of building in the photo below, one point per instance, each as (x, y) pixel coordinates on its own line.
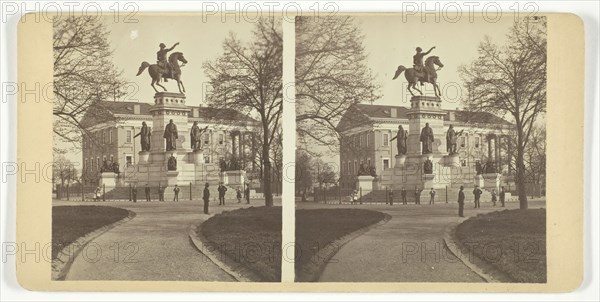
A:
(364, 113)
(111, 108)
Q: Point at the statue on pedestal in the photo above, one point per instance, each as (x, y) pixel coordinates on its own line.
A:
(451, 137)
(400, 138)
(362, 170)
(196, 136)
(421, 72)
(171, 136)
(145, 134)
(166, 68)
(427, 139)
(478, 168)
(428, 167)
(172, 163)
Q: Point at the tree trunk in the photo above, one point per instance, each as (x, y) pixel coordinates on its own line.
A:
(521, 188)
(268, 192)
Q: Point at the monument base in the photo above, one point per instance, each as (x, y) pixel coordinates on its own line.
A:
(108, 180)
(491, 181)
(400, 160)
(172, 178)
(197, 157)
(143, 157)
(479, 180)
(365, 183)
(234, 178)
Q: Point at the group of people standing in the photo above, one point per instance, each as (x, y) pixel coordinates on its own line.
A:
(477, 198)
(161, 193)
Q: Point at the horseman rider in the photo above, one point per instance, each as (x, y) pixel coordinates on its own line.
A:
(418, 62)
(161, 57)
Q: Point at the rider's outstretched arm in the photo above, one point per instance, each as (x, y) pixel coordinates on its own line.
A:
(429, 51)
(173, 47)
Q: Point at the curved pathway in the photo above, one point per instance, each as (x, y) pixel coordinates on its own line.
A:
(409, 248)
(152, 246)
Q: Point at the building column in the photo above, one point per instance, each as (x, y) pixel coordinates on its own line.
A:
(233, 144)
(497, 153)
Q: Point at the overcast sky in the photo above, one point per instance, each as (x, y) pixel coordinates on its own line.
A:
(389, 42)
(200, 40)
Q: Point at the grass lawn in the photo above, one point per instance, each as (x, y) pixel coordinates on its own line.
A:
(514, 241)
(316, 228)
(250, 237)
(71, 222)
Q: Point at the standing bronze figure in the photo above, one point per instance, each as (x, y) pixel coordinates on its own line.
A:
(427, 139)
(171, 136)
(145, 134)
(400, 138)
(196, 136)
(451, 137)
(165, 68)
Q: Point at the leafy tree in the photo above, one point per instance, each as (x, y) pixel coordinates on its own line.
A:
(331, 76)
(511, 80)
(248, 78)
(84, 75)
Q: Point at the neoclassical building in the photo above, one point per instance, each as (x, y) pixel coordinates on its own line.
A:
(367, 131)
(113, 127)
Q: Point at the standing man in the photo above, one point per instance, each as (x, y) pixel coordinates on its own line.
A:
(494, 197)
(147, 191)
(176, 191)
(477, 193)
(461, 201)
(502, 196)
(206, 198)
(239, 194)
(161, 193)
(403, 194)
(134, 193)
(391, 197)
(247, 193)
(222, 189)
(432, 198)
(417, 196)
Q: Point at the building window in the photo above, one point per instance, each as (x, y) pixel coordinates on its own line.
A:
(221, 139)
(368, 134)
(128, 160)
(386, 163)
(103, 137)
(463, 141)
(386, 139)
(463, 163)
(206, 138)
(128, 136)
(477, 141)
(349, 168)
(110, 136)
(355, 167)
(85, 165)
(207, 159)
(98, 163)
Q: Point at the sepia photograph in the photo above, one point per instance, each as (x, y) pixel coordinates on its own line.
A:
(167, 153)
(421, 149)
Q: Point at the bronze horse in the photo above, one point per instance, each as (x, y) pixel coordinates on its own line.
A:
(412, 76)
(175, 74)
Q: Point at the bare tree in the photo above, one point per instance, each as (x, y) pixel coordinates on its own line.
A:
(511, 80)
(304, 171)
(248, 78)
(84, 75)
(331, 76)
